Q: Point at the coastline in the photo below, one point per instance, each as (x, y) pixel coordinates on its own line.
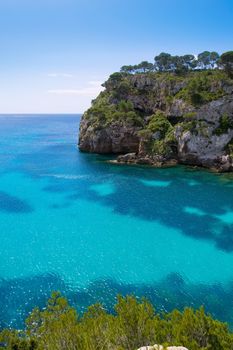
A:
(150, 162)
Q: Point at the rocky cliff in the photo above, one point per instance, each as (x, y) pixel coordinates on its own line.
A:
(163, 118)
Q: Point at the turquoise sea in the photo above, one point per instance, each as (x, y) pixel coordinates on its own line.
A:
(72, 222)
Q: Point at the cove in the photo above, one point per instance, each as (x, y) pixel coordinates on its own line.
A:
(72, 222)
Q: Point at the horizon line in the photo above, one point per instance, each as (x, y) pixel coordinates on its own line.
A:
(44, 113)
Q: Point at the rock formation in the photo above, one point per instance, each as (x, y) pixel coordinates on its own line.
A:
(163, 119)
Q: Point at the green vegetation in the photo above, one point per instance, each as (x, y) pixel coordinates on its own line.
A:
(103, 113)
(229, 148)
(159, 123)
(165, 62)
(189, 126)
(190, 115)
(142, 67)
(118, 103)
(225, 123)
(178, 64)
(150, 100)
(158, 135)
(203, 87)
(134, 324)
(207, 60)
(226, 60)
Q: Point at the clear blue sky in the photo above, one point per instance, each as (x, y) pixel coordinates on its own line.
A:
(55, 53)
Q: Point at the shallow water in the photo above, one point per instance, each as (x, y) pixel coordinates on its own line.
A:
(72, 222)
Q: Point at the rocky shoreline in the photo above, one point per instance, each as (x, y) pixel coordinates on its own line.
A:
(223, 164)
(154, 119)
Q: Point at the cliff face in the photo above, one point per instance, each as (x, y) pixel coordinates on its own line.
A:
(161, 118)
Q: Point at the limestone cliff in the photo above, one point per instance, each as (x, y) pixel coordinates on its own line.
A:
(163, 118)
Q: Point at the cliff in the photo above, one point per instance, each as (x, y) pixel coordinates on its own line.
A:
(163, 118)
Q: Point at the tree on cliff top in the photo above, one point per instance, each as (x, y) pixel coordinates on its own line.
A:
(165, 62)
(142, 67)
(207, 60)
(226, 61)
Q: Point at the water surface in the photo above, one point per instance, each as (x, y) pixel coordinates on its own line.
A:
(72, 222)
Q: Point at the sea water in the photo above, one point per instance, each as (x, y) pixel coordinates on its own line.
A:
(73, 222)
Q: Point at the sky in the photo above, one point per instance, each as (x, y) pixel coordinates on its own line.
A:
(55, 54)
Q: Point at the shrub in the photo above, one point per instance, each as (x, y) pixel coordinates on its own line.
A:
(134, 324)
(160, 123)
(190, 115)
(125, 106)
(225, 123)
(226, 60)
(198, 89)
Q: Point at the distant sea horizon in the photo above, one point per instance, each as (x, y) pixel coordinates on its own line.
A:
(38, 114)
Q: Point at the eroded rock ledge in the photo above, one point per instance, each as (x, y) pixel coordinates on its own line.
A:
(161, 119)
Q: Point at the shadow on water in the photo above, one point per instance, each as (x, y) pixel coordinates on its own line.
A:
(12, 204)
(167, 294)
(18, 297)
(196, 202)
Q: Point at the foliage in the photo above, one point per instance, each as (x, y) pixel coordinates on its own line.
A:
(121, 90)
(134, 323)
(131, 101)
(179, 64)
(128, 69)
(167, 146)
(125, 106)
(207, 60)
(116, 77)
(198, 89)
(225, 123)
(189, 125)
(190, 115)
(226, 60)
(146, 66)
(158, 136)
(102, 112)
(229, 148)
(129, 118)
(142, 67)
(145, 134)
(160, 147)
(159, 123)
(165, 62)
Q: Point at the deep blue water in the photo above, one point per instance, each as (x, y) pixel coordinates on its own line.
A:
(72, 222)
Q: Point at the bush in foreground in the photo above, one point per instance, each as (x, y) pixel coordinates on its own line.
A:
(134, 324)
